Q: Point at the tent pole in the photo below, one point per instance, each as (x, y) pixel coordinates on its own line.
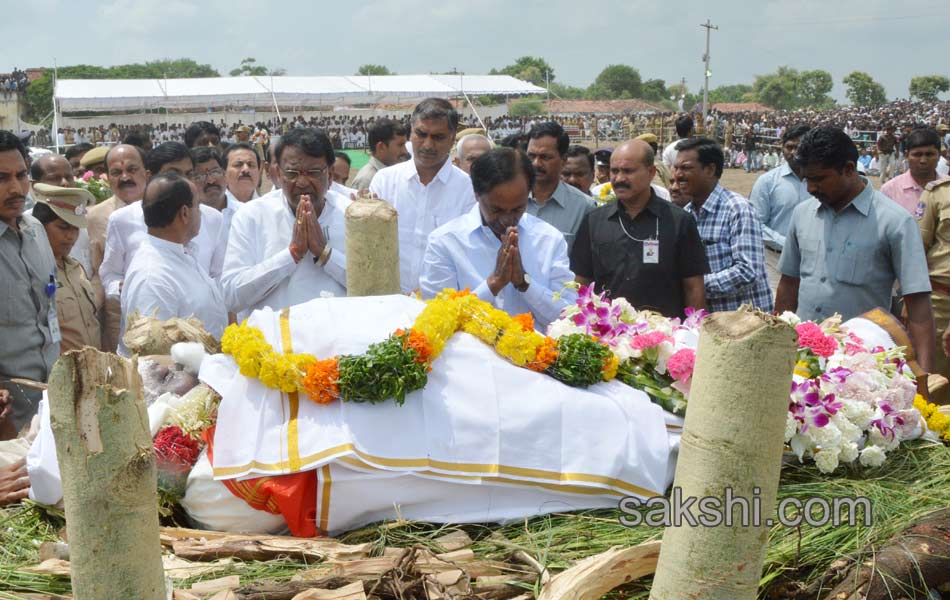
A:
(475, 112)
(55, 132)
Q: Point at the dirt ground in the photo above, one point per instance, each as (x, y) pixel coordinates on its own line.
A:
(739, 181)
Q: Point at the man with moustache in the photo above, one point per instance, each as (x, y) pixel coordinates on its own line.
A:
(127, 229)
(288, 246)
(641, 247)
(208, 177)
(775, 196)
(242, 171)
(510, 259)
(728, 226)
(29, 328)
(125, 167)
(578, 170)
(552, 200)
(428, 191)
(848, 244)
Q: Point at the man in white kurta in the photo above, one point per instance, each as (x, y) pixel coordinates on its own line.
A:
(269, 262)
(427, 191)
(164, 278)
(126, 229)
(469, 251)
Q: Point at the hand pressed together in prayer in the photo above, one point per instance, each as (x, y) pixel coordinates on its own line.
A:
(308, 235)
(508, 267)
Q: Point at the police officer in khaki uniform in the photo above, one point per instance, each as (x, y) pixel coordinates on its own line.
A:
(662, 171)
(62, 212)
(935, 230)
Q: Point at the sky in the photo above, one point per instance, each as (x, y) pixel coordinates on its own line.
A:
(892, 41)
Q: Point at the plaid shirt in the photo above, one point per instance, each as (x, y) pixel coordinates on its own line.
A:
(732, 236)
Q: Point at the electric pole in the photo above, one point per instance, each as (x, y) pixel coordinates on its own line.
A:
(709, 27)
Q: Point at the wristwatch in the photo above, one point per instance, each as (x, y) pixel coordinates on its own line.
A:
(527, 282)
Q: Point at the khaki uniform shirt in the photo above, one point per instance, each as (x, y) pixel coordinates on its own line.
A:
(77, 307)
(935, 230)
(110, 318)
(28, 348)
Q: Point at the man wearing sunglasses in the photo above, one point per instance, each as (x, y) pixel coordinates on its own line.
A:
(287, 247)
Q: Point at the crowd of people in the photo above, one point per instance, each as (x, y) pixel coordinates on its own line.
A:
(11, 83)
(190, 229)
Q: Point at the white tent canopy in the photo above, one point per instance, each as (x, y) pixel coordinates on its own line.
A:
(201, 93)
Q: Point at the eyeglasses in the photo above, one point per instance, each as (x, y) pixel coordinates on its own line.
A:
(311, 174)
(201, 177)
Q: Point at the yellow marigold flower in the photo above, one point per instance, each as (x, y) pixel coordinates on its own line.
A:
(518, 346)
(610, 367)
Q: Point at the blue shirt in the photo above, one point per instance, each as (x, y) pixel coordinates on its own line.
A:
(462, 253)
(732, 237)
(848, 261)
(564, 210)
(775, 196)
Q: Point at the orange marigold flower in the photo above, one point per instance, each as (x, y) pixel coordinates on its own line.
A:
(420, 343)
(545, 356)
(320, 382)
(526, 320)
(460, 293)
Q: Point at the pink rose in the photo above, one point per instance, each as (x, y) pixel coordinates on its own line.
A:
(87, 176)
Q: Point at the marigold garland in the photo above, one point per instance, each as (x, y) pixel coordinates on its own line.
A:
(400, 363)
(937, 421)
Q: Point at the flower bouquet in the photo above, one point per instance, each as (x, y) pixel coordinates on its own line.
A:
(606, 195)
(97, 186)
(849, 402)
(175, 455)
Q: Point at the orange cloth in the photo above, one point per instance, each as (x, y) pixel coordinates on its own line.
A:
(294, 496)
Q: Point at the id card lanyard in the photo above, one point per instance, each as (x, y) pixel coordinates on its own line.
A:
(651, 246)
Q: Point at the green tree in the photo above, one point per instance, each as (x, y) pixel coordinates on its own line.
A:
(527, 108)
(863, 90)
(926, 88)
(369, 69)
(528, 68)
(814, 87)
(654, 90)
(739, 92)
(616, 81)
(39, 94)
(250, 67)
(788, 88)
(566, 92)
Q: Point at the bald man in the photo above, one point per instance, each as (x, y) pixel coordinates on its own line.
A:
(125, 167)
(469, 148)
(641, 247)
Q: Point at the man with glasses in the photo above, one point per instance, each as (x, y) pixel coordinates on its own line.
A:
(126, 229)
(208, 177)
(287, 247)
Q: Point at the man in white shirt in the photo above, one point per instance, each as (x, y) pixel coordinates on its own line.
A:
(209, 179)
(242, 171)
(511, 259)
(427, 191)
(164, 277)
(387, 146)
(126, 228)
(288, 246)
(684, 129)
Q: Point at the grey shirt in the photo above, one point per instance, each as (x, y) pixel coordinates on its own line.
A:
(847, 262)
(27, 347)
(565, 210)
(365, 175)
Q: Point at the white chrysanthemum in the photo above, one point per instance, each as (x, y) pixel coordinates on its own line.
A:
(849, 452)
(849, 431)
(828, 436)
(859, 413)
(622, 349)
(628, 314)
(562, 327)
(827, 460)
(664, 352)
(791, 427)
(877, 439)
(873, 456)
(790, 318)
